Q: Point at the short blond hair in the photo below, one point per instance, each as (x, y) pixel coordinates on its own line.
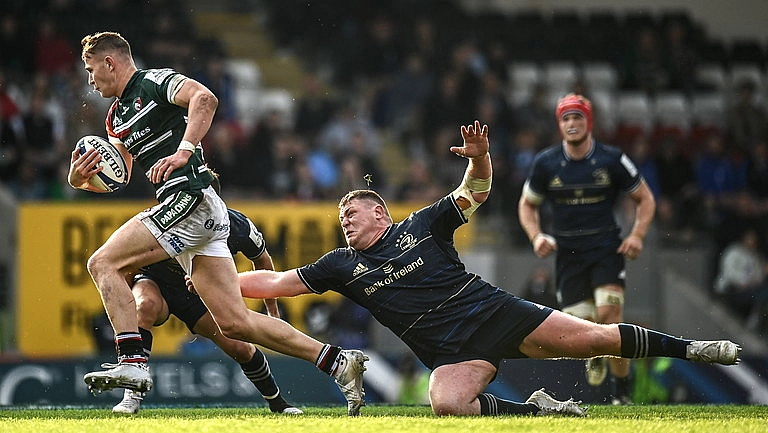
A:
(104, 43)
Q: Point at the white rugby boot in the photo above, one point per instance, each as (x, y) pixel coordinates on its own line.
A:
(349, 379)
(549, 406)
(128, 375)
(716, 352)
(292, 410)
(130, 403)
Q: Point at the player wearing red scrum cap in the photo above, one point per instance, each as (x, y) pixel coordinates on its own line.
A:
(583, 180)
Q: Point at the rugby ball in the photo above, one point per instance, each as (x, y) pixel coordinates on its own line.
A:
(114, 174)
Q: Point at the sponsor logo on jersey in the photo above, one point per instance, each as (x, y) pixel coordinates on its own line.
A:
(556, 182)
(137, 104)
(134, 136)
(394, 276)
(359, 269)
(388, 268)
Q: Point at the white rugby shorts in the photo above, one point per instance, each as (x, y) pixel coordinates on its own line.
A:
(202, 230)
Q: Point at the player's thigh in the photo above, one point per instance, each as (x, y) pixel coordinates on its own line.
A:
(215, 280)
(459, 384)
(128, 248)
(564, 335)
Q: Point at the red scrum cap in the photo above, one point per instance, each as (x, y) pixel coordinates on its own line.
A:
(574, 103)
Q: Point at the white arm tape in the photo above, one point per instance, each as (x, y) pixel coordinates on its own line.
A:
(469, 185)
(477, 185)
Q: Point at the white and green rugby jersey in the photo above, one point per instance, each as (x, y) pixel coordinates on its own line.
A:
(151, 127)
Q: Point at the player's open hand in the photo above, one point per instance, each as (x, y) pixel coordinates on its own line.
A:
(475, 141)
(163, 168)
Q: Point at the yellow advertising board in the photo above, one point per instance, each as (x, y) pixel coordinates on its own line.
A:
(56, 298)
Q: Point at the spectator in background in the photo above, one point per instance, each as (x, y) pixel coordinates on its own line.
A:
(314, 107)
(680, 58)
(41, 147)
(54, 54)
(540, 287)
(229, 158)
(746, 120)
(28, 185)
(719, 176)
(644, 65)
(642, 155)
(741, 282)
(15, 58)
(173, 41)
(11, 132)
(678, 195)
(215, 76)
(260, 149)
(536, 114)
(419, 185)
(443, 107)
(411, 86)
(757, 170)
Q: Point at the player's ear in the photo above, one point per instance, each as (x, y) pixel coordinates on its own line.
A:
(379, 211)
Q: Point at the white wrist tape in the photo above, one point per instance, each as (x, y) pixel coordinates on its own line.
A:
(464, 192)
(187, 145)
(477, 185)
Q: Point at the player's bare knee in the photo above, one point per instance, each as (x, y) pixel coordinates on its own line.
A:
(148, 308)
(97, 265)
(443, 407)
(238, 350)
(233, 329)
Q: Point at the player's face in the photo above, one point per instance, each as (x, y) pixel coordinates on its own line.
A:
(359, 223)
(573, 128)
(100, 77)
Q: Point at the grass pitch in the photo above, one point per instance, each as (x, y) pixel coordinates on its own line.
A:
(390, 419)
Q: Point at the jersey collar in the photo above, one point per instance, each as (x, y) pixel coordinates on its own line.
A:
(589, 153)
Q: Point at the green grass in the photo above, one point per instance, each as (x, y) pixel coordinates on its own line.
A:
(390, 419)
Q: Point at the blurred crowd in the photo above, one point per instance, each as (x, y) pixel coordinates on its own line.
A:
(385, 90)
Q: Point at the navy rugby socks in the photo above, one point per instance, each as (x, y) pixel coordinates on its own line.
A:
(492, 405)
(639, 342)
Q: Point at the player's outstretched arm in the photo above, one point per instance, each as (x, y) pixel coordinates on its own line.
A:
(476, 185)
(263, 284)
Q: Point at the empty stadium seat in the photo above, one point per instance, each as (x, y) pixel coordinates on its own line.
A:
(711, 76)
(524, 77)
(599, 76)
(560, 76)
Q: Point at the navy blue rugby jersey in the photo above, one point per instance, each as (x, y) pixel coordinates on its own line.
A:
(244, 238)
(412, 281)
(583, 193)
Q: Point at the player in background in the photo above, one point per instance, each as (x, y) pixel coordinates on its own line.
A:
(160, 291)
(583, 180)
(157, 121)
